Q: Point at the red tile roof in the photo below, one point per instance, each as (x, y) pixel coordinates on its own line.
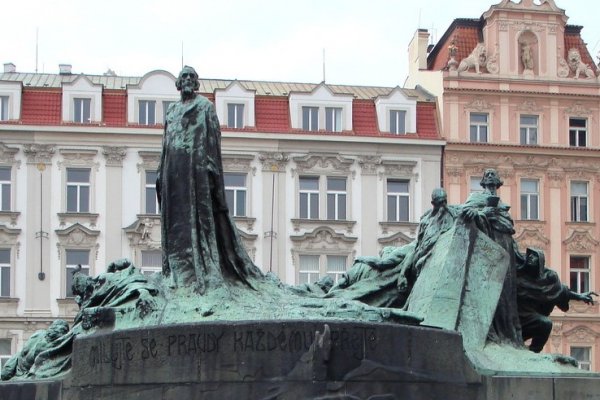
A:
(272, 114)
(41, 107)
(465, 39)
(364, 117)
(114, 108)
(427, 127)
(573, 39)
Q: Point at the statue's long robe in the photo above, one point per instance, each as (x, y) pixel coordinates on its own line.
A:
(199, 240)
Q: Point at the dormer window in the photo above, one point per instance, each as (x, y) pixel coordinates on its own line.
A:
(147, 112)
(310, 118)
(235, 115)
(333, 119)
(398, 122)
(3, 108)
(81, 110)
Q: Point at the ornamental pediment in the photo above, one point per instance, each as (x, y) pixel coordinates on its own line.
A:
(322, 237)
(580, 241)
(322, 162)
(397, 239)
(582, 334)
(531, 237)
(77, 235)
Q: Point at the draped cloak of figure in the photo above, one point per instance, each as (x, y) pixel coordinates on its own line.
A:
(200, 243)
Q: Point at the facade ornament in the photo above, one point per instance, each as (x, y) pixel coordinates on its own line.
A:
(582, 334)
(150, 160)
(563, 67)
(577, 66)
(238, 163)
(78, 157)
(526, 57)
(578, 110)
(556, 337)
(369, 164)
(492, 64)
(39, 153)
(452, 52)
(114, 155)
(477, 59)
(273, 161)
(529, 105)
(580, 241)
(7, 155)
(322, 163)
(478, 104)
(400, 169)
(531, 236)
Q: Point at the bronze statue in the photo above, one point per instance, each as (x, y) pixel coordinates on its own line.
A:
(201, 247)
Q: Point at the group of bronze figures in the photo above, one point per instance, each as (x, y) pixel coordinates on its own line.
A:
(202, 251)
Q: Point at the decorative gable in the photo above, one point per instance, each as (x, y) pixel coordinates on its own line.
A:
(323, 100)
(235, 106)
(81, 101)
(396, 109)
(147, 102)
(10, 100)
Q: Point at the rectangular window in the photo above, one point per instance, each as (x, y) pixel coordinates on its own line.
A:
(530, 199)
(5, 273)
(478, 129)
(5, 188)
(578, 132)
(78, 190)
(81, 110)
(583, 357)
(397, 200)
(333, 119)
(308, 272)
(529, 129)
(147, 114)
(475, 184)
(5, 351)
(336, 198)
(3, 108)
(166, 105)
(151, 262)
(235, 193)
(336, 267)
(579, 273)
(398, 122)
(579, 201)
(73, 259)
(310, 118)
(309, 197)
(235, 115)
(150, 192)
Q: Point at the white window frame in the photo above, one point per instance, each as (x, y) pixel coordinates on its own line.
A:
(237, 191)
(334, 119)
(150, 190)
(324, 267)
(394, 115)
(583, 364)
(313, 118)
(312, 275)
(165, 104)
(3, 184)
(150, 269)
(526, 130)
(8, 266)
(238, 117)
(144, 105)
(339, 197)
(310, 194)
(529, 200)
(397, 196)
(477, 127)
(78, 186)
(5, 357)
(475, 184)
(4, 108)
(82, 101)
(69, 268)
(576, 133)
(580, 278)
(578, 202)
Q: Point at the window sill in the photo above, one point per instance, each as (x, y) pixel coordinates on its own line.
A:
(580, 223)
(298, 223)
(531, 221)
(6, 300)
(9, 217)
(248, 222)
(72, 217)
(67, 307)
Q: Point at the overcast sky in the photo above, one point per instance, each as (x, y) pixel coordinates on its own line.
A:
(365, 42)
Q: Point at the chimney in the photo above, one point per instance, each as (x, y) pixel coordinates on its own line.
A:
(10, 67)
(417, 49)
(64, 69)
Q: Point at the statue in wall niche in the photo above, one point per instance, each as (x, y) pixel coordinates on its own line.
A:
(539, 291)
(577, 65)
(477, 59)
(201, 247)
(526, 56)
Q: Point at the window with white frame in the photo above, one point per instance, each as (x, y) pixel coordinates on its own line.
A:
(310, 118)
(398, 197)
(3, 108)
(235, 193)
(530, 199)
(478, 127)
(398, 122)
(82, 110)
(475, 184)
(529, 129)
(235, 115)
(309, 197)
(333, 119)
(5, 189)
(336, 198)
(165, 105)
(5, 271)
(78, 190)
(5, 351)
(150, 193)
(578, 132)
(147, 112)
(583, 356)
(313, 267)
(579, 273)
(579, 201)
(151, 262)
(75, 257)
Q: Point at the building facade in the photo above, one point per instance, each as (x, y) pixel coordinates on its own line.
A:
(519, 92)
(315, 174)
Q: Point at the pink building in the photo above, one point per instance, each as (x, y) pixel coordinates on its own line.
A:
(519, 92)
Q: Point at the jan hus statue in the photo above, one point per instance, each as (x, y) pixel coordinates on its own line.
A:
(201, 247)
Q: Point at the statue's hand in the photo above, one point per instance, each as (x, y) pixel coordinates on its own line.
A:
(469, 214)
(587, 297)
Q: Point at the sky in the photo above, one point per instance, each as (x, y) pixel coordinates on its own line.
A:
(362, 42)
